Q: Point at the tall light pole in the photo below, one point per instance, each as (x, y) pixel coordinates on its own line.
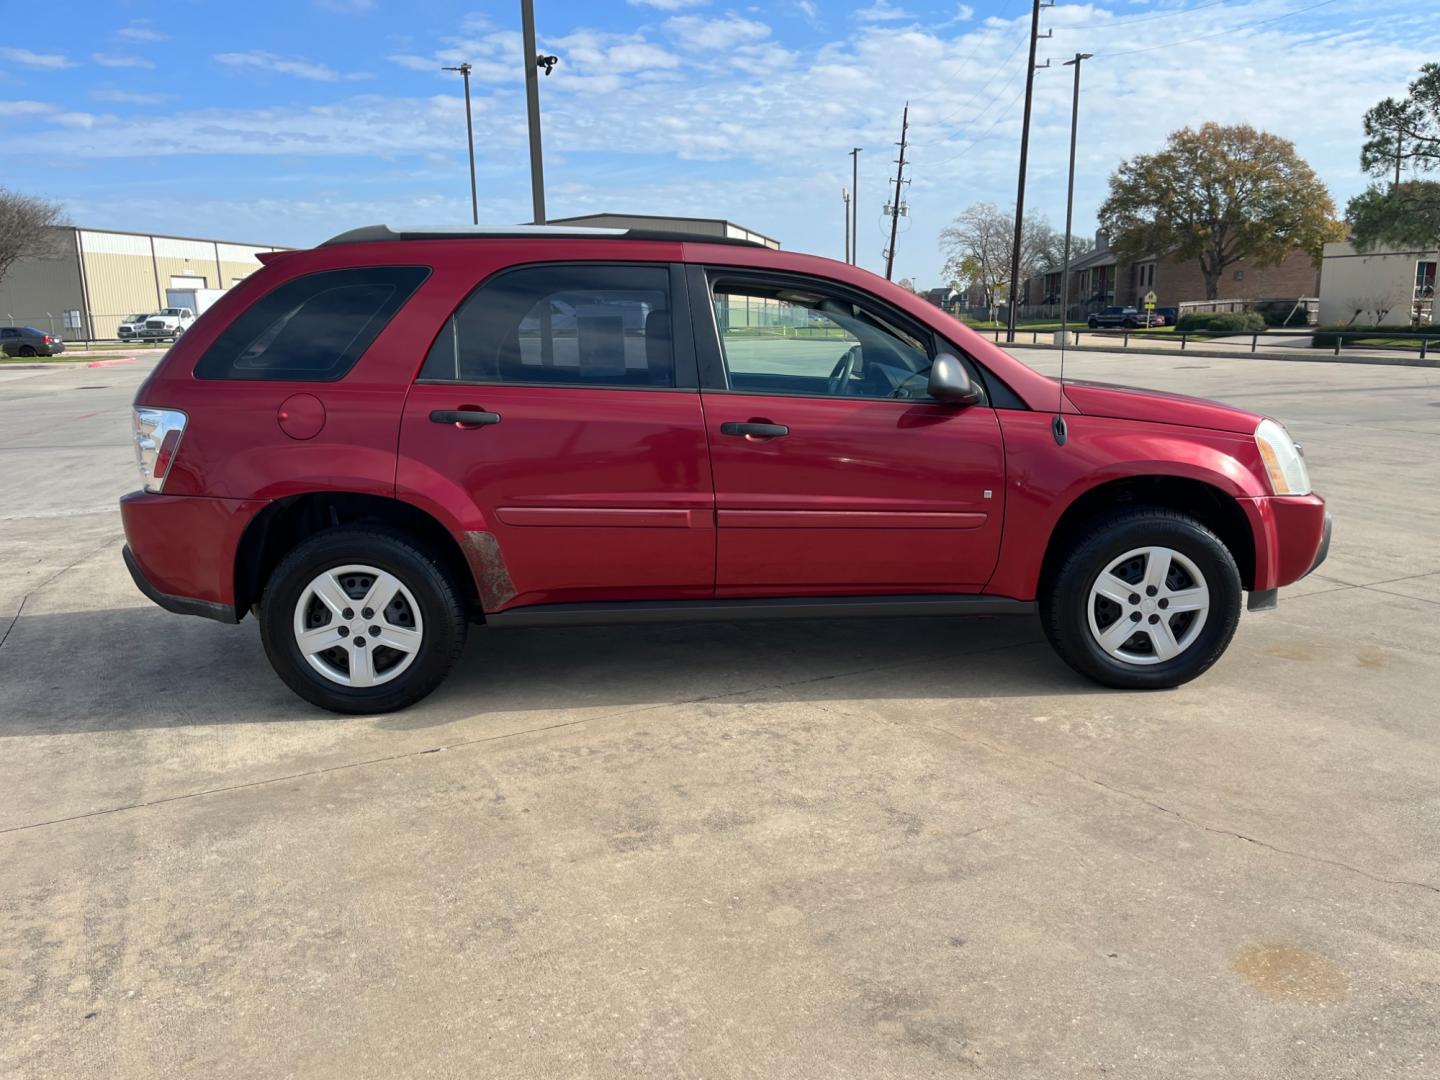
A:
(845, 194)
(1036, 5)
(855, 205)
(1070, 202)
(464, 70)
(533, 62)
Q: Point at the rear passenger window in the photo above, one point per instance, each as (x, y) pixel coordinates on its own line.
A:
(569, 325)
(313, 328)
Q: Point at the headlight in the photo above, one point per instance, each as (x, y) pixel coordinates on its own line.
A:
(157, 437)
(1283, 461)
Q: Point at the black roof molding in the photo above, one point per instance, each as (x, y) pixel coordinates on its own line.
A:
(376, 234)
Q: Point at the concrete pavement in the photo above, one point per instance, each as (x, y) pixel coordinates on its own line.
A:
(909, 848)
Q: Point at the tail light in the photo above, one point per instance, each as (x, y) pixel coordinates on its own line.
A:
(50, 340)
(157, 437)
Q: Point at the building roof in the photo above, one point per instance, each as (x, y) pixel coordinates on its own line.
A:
(1099, 257)
(171, 236)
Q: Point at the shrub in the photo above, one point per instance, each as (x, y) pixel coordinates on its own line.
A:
(1234, 322)
(1282, 313)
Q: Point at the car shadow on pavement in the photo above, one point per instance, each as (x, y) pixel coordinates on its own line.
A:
(132, 668)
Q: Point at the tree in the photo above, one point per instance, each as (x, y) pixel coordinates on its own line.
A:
(1400, 133)
(25, 224)
(978, 244)
(1219, 195)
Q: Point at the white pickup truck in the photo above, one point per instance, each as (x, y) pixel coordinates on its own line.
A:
(167, 324)
(132, 327)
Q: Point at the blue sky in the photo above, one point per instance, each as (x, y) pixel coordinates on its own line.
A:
(286, 122)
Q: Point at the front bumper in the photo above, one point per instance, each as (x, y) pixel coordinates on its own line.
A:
(1292, 538)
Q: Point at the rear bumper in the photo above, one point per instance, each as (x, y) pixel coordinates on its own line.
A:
(181, 550)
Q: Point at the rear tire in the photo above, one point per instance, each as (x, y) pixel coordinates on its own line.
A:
(380, 658)
(27, 350)
(1161, 575)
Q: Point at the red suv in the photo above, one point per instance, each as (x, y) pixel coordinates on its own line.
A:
(375, 443)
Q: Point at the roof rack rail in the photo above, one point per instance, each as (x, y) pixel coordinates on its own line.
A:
(373, 234)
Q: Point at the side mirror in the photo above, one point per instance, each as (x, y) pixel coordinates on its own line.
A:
(950, 382)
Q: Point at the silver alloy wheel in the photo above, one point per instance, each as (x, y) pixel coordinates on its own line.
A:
(358, 625)
(1148, 606)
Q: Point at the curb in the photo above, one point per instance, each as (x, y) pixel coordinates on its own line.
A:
(1216, 354)
(112, 362)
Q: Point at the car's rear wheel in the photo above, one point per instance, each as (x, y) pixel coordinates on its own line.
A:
(1094, 324)
(361, 620)
(1147, 599)
(27, 350)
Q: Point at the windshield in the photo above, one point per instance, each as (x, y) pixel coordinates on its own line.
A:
(135, 318)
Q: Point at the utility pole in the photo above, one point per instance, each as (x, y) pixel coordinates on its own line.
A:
(533, 62)
(1036, 5)
(1070, 202)
(845, 194)
(855, 205)
(464, 70)
(899, 175)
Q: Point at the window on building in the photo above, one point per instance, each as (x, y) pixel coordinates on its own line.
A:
(565, 324)
(1425, 280)
(313, 328)
(1239, 275)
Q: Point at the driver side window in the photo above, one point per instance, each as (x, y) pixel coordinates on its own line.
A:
(783, 340)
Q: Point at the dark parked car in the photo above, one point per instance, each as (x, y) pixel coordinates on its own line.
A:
(1165, 316)
(1127, 317)
(27, 341)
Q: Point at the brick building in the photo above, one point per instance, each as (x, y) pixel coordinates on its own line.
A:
(1100, 278)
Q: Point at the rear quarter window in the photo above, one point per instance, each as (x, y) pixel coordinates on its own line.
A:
(312, 328)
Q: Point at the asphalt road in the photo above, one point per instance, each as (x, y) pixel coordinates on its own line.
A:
(910, 848)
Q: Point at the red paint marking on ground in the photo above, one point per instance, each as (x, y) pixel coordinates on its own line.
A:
(112, 361)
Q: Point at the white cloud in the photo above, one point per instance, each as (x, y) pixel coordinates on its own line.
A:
(25, 108)
(76, 119)
(882, 11)
(669, 5)
(39, 61)
(121, 60)
(130, 97)
(301, 69)
(702, 35)
(140, 31)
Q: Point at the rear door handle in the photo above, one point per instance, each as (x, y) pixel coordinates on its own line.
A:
(759, 430)
(467, 417)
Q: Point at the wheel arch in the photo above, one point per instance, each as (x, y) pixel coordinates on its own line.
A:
(286, 522)
(1213, 507)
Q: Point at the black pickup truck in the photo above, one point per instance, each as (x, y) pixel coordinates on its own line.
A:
(1127, 317)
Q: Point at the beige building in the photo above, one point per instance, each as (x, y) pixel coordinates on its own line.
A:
(94, 278)
(1386, 287)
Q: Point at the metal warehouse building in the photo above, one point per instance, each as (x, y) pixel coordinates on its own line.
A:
(94, 278)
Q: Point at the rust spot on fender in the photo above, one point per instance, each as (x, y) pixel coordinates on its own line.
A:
(487, 566)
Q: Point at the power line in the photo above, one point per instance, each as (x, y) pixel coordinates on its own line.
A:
(999, 68)
(1146, 18)
(1221, 33)
(968, 143)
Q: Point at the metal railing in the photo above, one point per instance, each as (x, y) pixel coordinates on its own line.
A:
(1422, 342)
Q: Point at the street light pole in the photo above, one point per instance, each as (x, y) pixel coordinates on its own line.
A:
(464, 70)
(1024, 153)
(1070, 201)
(855, 205)
(532, 103)
(844, 194)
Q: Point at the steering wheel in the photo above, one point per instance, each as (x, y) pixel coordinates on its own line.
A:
(844, 371)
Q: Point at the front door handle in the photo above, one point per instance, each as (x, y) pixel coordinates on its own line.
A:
(465, 417)
(755, 428)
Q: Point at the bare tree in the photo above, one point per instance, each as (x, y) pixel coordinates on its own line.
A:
(26, 225)
(978, 244)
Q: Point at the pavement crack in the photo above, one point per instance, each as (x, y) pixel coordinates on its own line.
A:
(1183, 818)
(53, 577)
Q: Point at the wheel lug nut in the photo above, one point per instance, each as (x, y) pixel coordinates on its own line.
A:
(360, 642)
(1150, 590)
(1134, 598)
(1154, 618)
(374, 631)
(1164, 604)
(1134, 616)
(349, 613)
(368, 613)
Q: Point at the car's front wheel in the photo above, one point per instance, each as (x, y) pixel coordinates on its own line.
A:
(1146, 599)
(1094, 324)
(362, 620)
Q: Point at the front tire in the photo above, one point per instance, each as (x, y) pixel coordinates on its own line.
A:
(1146, 599)
(362, 620)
